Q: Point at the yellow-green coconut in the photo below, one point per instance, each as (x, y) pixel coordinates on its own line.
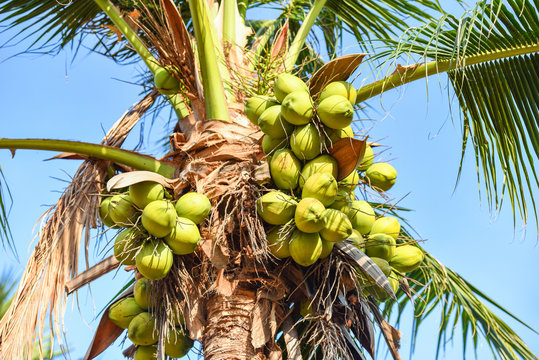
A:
(159, 218)
(276, 207)
(297, 108)
(337, 226)
(335, 112)
(278, 241)
(305, 248)
(321, 164)
(381, 176)
(287, 83)
(122, 211)
(154, 260)
(272, 123)
(123, 311)
(126, 246)
(142, 330)
(255, 106)
(321, 186)
(305, 142)
(178, 344)
(362, 217)
(407, 258)
(184, 237)
(342, 88)
(145, 192)
(309, 215)
(285, 169)
(193, 206)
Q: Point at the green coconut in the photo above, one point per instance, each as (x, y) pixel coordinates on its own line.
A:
(285, 169)
(327, 248)
(184, 237)
(305, 248)
(287, 83)
(122, 211)
(154, 260)
(350, 182)
(165, 82)
(178, 344)
(193, 206)
(255, 106)
(381, 246)
(278, 241)
(357, 240)
(335, 112)
(142, 292)
(145, 192)
(335, 135)
(361, 216)
(321, 186)
(146, 353)
(297, 108)
(126, 245)
(337, 226)
(159, 218)
(276, 207)
(305, 142)
(142, 330)
(309, 215)
(306, 307)
(271, 123)
(271, 144)
(386, 225)
(381, 176)
(123, 311)
(341, 88)
(343, 201)
(104, 212)
(321, 164)
(406, 258)
(175, 317)
(367, 160)
(382, 264)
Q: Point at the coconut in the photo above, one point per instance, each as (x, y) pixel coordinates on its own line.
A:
(184, 237)
(406, 258)
(104, 212)
(142, 330)
(305, 248)
(285, 169)
(165, 82)
(335, 112)
(142, 292)
(145, 192)
(321, 186)
(175, 317)
(335, 135)
(297, 108)
(382, 295)
(381, 176)
(271, 123)
(357, 240)
(386, 225)
(123, 311)
(308, 215)
(343, 201)
(287, 83)
(305, 142)
(159, 218)
(276, 207)
(306, 307)
(337, 226)
(278, 241)
(350, 182)
(321, 164)
(341, 88)
(368, 157)
(121, 210)
(177, 344)
(154, 260)
(271, 144)
(255, 106)
(382, 264)
(362, 216)
(146, 353)
(126, 246)
(193, 206)
(381, 246)
(327, 248)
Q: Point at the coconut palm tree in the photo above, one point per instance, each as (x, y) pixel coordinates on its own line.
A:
(237, 299)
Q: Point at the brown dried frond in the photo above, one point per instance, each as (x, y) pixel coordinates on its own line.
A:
(56, 256)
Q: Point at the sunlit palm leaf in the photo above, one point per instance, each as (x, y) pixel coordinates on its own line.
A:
(497, 94)
(5, 232)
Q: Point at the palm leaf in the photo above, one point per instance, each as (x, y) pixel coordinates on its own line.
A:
(491, 56)
(5, 231)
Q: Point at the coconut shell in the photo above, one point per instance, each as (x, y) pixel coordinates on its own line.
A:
(285, 169)
(142, 330)
(297, 108)
(276, 207)
(305, 248)
(309, 215)
(335, 112)
(337, 226)
(381, 176)
(286, 83)
(407, 258)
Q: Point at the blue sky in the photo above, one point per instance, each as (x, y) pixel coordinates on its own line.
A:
(46, 97)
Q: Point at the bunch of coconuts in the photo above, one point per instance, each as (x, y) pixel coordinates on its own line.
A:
(155, 228)
(309, 209)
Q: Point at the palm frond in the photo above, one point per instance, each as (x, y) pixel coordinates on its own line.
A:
(5, 232)
(491, 58)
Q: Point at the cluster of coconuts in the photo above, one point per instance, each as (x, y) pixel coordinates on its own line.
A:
(310, 210)
(132, 313)
(154, 229)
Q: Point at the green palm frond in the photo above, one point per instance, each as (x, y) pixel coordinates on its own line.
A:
(5, 232)
(7, 284)
(491, 55)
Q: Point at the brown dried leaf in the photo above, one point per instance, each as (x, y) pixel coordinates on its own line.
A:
(261, 333)
(134, 177)
(291, 339)
(224, 286)
(338, 69)
(195, 319)
(393, 337)
(262, 173)
(96, 271)
(348, 152)
(68, 156)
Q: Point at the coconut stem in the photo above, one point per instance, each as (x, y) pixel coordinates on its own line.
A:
(128, 158)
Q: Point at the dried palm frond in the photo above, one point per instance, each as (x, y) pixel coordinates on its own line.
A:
(56, 256)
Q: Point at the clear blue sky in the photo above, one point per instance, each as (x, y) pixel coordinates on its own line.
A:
(45, 97)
